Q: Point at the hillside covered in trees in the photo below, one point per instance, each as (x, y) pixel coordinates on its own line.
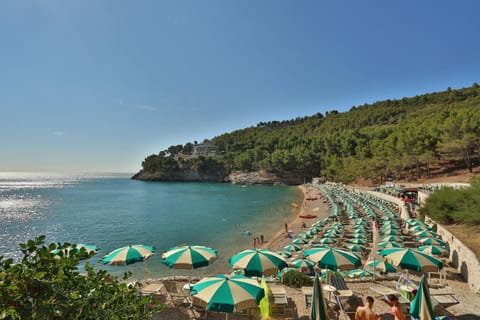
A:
(392, 138)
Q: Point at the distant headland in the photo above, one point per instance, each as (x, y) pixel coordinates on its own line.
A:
(406, 139)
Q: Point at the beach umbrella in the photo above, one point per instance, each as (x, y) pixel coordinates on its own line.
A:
(432, 241)
(389, 227)
(380, 265)
(319, 309)
(415, 260)
(326, 241)
(284, 253)
(332, 258)
(418, 228)
(359, 273)
(128, 255)
(359, 236)
(302, 263)
(292, 247)
(189, 257)
(357, 241)
(426, 233)
(77, 248)
(300, 241)
(412, 221)
(434, 250)
(355, 247)
(227, 293)
(421, 307)
(390, 244)
(258, 262)
(391, 232)
(305, 236)
(393, 238)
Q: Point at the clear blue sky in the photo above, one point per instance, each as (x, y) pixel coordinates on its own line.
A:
(98, 85)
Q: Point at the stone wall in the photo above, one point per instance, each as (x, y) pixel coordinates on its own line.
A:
(462, 258)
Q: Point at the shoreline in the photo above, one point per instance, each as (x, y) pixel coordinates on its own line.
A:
(315, 207)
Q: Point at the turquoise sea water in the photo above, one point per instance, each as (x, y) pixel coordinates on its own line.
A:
(111, 211)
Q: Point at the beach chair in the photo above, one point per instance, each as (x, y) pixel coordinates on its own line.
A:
(341, 286)
(174, 292)
(278, 299)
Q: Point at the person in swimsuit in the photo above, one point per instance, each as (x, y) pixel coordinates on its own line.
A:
(366, 312)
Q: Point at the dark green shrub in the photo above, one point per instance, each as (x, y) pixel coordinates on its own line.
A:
(296, 279)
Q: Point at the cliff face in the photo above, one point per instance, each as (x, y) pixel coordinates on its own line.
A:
(249, 178)
(181, 176)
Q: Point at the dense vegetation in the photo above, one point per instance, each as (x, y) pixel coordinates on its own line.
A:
(449, 205)
(373, 141)
(47, 286)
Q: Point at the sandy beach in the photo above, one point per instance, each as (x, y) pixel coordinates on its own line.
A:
(467, 308)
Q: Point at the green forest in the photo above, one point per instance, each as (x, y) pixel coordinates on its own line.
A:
(399, 139)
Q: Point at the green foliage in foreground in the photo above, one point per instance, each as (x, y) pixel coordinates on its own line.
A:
(449, 205)
(47, 286)
(296, 279)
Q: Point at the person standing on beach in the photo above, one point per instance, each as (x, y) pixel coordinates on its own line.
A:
(261, 238)
(366, 312)
(397, 313)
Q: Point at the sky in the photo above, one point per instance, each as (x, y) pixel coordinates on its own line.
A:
(97, 85)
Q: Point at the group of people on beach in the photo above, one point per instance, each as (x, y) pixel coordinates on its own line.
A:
(258, 240)
(366, 312)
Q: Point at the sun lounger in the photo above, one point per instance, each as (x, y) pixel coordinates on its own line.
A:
(341, 286)
(307, 295)
(153, 288)
(278, 298)
(384, 292)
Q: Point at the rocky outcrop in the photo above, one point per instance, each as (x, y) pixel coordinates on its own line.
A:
(237, 177)
(181, 176)
(260, 177)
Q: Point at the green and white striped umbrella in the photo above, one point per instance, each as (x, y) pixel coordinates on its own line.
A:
(434, 250)
(357, 241)
(258, 262)
(359, 273)
(333, 259)
(300, 241)
(393, 238)
(426, 233)
(359, 235)
(292, 247)
(302, 263)
(284, 254)
(319, 309)
(390, 244)
(305, 236)
(431, 241)
(355, 247)
(227, 293)
(128, 255)
(326, 240)
(421, 307)
(415, 260)
(380, 265)
(391, 232)
(189, 257)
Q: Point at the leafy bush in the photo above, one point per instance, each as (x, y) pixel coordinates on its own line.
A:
(47, 286)
(296, 279)
(449, 205)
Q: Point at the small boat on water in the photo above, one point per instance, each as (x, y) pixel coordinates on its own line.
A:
(307, 216)
(312, 198)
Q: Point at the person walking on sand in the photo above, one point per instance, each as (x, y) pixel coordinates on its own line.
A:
(396, 311)
(366, 312)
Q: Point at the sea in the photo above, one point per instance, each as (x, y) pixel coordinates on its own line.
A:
(112, 211)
